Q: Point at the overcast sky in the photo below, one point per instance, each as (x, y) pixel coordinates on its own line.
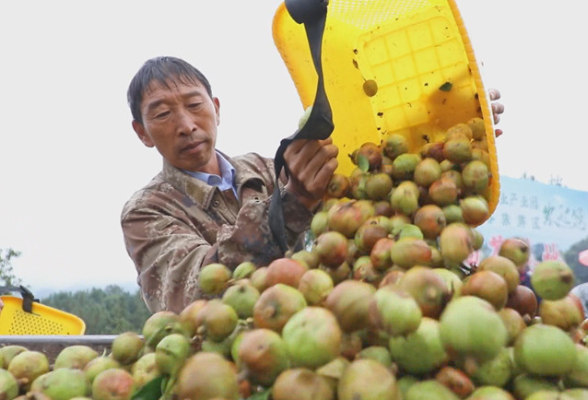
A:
(69, 158)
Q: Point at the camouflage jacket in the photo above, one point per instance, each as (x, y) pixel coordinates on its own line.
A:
(176, 224)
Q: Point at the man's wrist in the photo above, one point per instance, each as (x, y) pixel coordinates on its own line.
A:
(310, 204)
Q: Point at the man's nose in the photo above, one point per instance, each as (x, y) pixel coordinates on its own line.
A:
(185, 122)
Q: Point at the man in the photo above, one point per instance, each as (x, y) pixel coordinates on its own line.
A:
(204, 206)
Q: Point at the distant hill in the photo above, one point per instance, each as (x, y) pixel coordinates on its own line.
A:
(43, 292)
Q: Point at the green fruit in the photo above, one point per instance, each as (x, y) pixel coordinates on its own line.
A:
(429, 389)
(171, 352)
(578, 375)
(144, 370)
(244, 270)
(471, 327)
(552, 279)
(395, 311)
(576, 393)
(160, 324)
(8, 352)
(99, 364)
(378, 353)
(75, 356)
(207, 376)
(127, 347)
(367, 379)
(62, 384)
(545, 350)
(395, 144)
(419, 352)
(495, 372)
(27, 366)
(241, 297)
(524, 385)
(214, 278)
(370, 87)
(490, 393)
(312, 337)
(8, 385)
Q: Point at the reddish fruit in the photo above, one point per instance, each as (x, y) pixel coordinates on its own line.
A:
(517, 250)
(262, 356)
(455, 380)
(113, 384)
(349, 301)
(339, 186)
(276, 305)
(394, 144)
(285, 270)
(331, 248)
(315, 285)
(409, 251)
(503, 267)
(487, 285)
(523, 300)
(206, 376)
(428, 289)
(431, 220)
(301, 384)
(367, 379)
(367, 235)
(380, 253)
(443, 192)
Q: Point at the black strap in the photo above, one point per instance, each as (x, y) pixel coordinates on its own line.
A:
(27, 296)
(313, 14)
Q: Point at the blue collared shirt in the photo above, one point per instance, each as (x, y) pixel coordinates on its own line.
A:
(225, 181)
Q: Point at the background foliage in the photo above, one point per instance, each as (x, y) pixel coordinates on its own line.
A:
(107, 311)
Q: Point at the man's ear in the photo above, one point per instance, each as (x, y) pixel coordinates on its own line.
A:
(216, 102)
(142, 134)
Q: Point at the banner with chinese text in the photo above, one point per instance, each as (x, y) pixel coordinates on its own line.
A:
(552, 218)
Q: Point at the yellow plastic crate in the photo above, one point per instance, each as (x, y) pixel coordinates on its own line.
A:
(43, 320)
(410, 48)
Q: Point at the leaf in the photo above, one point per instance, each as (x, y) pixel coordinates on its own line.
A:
(151, 390)
(265, 395)
(363, 163)
(446, 87)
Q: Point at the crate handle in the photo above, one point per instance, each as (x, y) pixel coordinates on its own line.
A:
(27, 296)
(313, 14)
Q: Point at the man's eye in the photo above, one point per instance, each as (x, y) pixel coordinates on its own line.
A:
(194, 105)
(161, 115)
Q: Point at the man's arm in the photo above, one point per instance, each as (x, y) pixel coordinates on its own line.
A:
(169, 240)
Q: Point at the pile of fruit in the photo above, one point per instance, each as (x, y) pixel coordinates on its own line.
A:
(383, 304)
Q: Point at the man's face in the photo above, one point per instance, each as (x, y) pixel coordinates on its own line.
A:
(181, 122)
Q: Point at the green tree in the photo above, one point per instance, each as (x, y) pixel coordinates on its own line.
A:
(7, 277)
(107, 311)
(571, 258)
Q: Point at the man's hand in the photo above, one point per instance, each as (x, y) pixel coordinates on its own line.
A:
(311, 164)
(497, 108)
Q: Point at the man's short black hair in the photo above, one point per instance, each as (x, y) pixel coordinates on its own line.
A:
(164, 70)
